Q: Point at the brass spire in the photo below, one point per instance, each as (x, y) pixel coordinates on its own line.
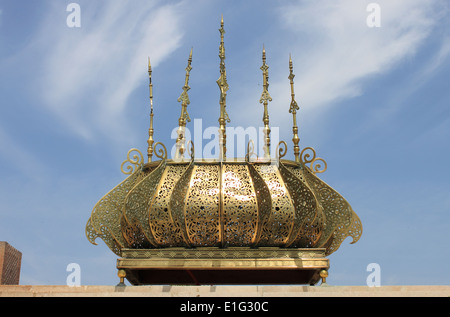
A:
(293, 109)
(265, 98)
(184, 117)
(150, 140)
(223, 86)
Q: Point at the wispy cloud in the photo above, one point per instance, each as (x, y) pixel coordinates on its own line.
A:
(91, 71)
(338, 50)
(334, 52)
(438, 59)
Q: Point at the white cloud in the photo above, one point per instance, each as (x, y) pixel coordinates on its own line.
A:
(90, 72)
(438, 59)
(339, 50)
(334, 52)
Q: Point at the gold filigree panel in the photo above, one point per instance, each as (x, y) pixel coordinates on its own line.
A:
(308, 216)
(202, 218)
(340, 221)
(136, 229)
(278, 227)
(105, 220)
(224, 253)
(240, 211)
(165, 231)
(264, 202)
(223, 204)
(177, 203)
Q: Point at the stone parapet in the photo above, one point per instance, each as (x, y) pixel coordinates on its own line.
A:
(223, 291)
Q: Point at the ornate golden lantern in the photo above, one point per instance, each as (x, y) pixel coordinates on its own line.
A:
(223, 221)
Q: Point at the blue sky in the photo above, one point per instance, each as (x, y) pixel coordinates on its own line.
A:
(374, 102)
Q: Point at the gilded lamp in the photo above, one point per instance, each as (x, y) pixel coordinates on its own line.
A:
(223, 220)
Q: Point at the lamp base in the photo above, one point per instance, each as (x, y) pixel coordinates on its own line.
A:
(223, 266)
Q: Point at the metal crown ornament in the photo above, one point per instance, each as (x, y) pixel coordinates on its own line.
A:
(187, 204)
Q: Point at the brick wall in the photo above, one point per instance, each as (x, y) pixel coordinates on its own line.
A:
(10, 261)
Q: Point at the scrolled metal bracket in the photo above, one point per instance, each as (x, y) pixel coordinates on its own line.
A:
(161, 152)
(134, 162)
(316, 164)
(250, 151)
(281, 150)
(191, 150)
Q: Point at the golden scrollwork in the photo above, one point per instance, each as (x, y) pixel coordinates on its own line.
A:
(316, 164)
(305, 157)
(281, 150)
(135, 162)
(161, 152)
(191, 149)
(250, 151)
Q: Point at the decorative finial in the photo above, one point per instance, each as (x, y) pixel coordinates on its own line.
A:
(150, 140)
(265, 98)
(184, 117)
(293, 109)
(223, 86)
